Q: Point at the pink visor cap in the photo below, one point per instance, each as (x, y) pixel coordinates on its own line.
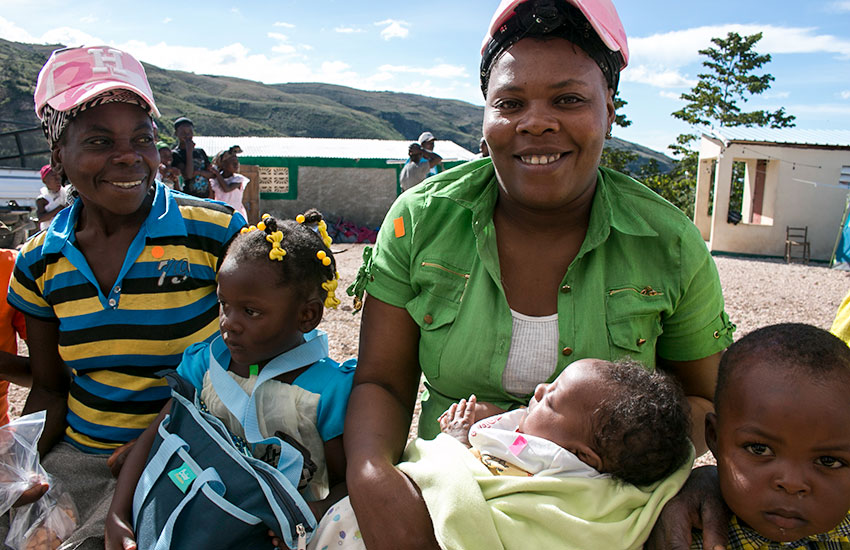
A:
(72, 76)
(601, 14)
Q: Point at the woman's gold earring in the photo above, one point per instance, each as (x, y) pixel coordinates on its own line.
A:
(608, 134)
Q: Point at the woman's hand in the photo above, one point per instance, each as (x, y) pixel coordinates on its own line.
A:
(35, 492)
(699, 505)
(119, 534)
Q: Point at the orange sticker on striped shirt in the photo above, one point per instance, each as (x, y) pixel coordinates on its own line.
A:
(398, 225)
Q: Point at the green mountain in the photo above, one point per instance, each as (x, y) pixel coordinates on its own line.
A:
(222, 105)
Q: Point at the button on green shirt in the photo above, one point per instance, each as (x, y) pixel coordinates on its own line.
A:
(642, 285)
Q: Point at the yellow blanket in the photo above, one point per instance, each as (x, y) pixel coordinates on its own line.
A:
(474, 510)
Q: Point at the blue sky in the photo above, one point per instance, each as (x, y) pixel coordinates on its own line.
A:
(433, 47)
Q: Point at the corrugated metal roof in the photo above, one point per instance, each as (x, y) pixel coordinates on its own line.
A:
(795, 136)
(326, 147)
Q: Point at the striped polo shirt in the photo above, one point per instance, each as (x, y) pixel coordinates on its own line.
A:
(114, 343)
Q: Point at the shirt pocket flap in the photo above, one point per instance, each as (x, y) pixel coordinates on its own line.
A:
(431, 312)
(634, 317)
(636, 333)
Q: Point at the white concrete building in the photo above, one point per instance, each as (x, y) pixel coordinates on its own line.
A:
(791, 178)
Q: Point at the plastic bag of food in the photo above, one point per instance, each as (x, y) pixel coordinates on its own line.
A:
(44, 524)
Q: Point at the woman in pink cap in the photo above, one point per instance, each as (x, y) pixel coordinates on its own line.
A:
(120, 283)
(493, 277)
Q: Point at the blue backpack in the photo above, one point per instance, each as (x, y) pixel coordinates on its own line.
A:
(199, 490)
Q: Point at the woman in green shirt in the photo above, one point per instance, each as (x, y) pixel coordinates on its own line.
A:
(493, 277)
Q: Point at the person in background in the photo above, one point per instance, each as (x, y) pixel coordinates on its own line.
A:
(192, 162)
(168, 175)
(228, 185)
(426, 141)
(51, 198)
(483, 151)
(421, 162)
(13, 368)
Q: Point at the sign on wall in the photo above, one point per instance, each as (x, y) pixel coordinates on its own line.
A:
(273, 179)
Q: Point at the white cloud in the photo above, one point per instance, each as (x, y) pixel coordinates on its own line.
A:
(776, 95)
(235, 11)
(393, 29)
(283, 24)
(828, 109)
(347, 30)
(845, 94)
(841, 6)
(10, 31)
(442, 70)
(282, 47)
(659, 59)
(669, 95)
(88, 19)
(657, 76)
(166, 21)
(69, 36)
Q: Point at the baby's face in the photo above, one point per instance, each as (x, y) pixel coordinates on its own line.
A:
(782, 445)
(561, 411)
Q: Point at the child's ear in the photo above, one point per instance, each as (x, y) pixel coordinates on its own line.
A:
(310, 315)
(711, 432)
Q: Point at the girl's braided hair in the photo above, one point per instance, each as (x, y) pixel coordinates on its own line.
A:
(304, 257)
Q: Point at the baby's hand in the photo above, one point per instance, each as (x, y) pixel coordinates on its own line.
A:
(458, 419)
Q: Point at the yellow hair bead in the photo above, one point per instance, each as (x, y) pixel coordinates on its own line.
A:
(321, 254)
(244, 230)
(326, 261)
(331, 301)
(261, 226)
(277, 252)
(266, 215)
(300, 218)
(323, 232)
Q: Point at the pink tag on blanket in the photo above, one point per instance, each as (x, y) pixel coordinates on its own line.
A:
(518, 445)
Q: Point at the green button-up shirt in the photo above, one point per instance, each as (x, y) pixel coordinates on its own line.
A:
(642, 285)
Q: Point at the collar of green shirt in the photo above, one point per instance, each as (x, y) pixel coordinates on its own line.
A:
(477, 190)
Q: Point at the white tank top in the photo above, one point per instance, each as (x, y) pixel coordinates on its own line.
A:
(534, 352)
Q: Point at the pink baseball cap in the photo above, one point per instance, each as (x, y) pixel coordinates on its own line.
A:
(72, 76)
(601, 14)
(45, 170)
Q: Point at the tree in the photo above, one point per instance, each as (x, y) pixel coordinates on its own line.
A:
(716, 99)
(618, 159)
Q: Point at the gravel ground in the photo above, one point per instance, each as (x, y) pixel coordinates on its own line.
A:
(757, 293)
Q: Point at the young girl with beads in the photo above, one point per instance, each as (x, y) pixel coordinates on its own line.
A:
(273, 285)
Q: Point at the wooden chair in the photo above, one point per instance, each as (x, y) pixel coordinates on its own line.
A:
(797, 236)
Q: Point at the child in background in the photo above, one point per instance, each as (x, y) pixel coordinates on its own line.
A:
(168, 175)
(51, 198)
(273, 284)
(589, 464)
(229, 186)
(13, 368)
(781, 439)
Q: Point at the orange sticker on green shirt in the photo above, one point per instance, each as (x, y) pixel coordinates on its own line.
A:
(398, 225)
